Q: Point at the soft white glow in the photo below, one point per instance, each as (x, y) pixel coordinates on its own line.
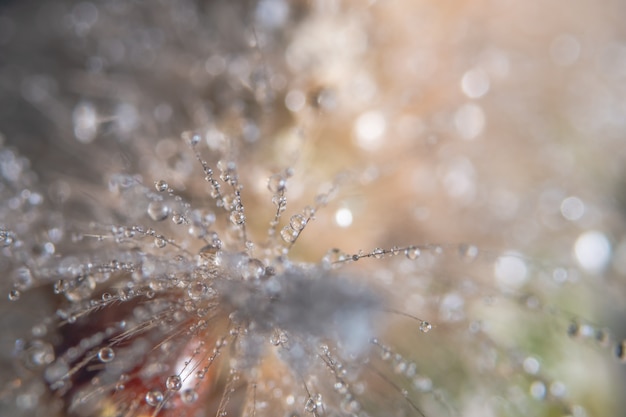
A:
(295, 100)
(85, 122)
(369, 130)
(572, 208)
(510, 271)
(469, 121)
(343, 217)
(475, 83)
(593, 251)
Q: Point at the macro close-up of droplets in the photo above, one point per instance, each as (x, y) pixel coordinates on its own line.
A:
(398, 208)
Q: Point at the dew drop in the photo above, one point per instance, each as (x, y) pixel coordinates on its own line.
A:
(14, 295)
(288, 234)
(277, 183)
(412, 252)
(378, 253)
(425, 327)
(197, 290)
(252, 269)
(106, 354)
(237, 217)
(154, 397)
(83, 288)
(538, 390)
(189, 396)
(158, 211)
(177, 218)
(173, 383)
(193, 138)
(297, 222)
(39, 354)
(22, 278)
(161, 186)
(159, 242)
(468, 252)
(310, 406)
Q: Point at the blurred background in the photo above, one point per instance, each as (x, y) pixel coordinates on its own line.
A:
(495, 125)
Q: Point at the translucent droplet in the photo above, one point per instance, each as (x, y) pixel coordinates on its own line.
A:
(288, 234)
(39, 354)
(173, 383)
(297, 222)
(538, 390)
(161, 186)
(378, 253)
(277, 183)
(310, 406)
(237, 217)
(412, 252)
(14, 295)
(340, 387)
(158, 211)
(60, 286)
(177, 218)
(106, 354)
(252, 269)
(22, 278)
(468, 252)
(154, 397)
(83, 287)
(189, 396)
(159, 242)
(425, 327)
(197, 290)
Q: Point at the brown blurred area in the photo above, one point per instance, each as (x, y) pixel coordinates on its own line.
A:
(457, 121)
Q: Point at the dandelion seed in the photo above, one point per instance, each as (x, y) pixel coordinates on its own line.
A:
(335, 304)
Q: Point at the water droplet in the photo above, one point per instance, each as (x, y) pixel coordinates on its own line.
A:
(106, 354)
(14, 295)
(378, 253)
(340, 387)
(83, 287)
(425, 327)
(468, 253)
(154, 397)
(252, 269)
(177, 218)
(412, 252)
(22, 278)
(288, 234)
(538, 390)
(297, 222)
(237, 217)
(173, 383)
(310, 406)
(193, 138)
(158, 211)
(277, 183)
(197, 290)
(161, 186)
(39, 354)
(60, 286)
(159, 242)
(188, 396)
